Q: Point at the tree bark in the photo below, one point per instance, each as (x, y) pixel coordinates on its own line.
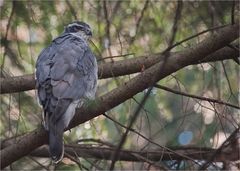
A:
(113, 69)
(105, 153)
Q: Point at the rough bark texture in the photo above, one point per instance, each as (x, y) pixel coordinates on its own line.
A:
(113, 69)
(105, 153)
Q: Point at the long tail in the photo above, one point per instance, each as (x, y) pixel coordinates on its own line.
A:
(58, 121)
(56, 147)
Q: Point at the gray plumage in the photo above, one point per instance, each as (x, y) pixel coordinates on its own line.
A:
(66, 74)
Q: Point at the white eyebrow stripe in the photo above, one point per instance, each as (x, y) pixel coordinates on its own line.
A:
(74, 24)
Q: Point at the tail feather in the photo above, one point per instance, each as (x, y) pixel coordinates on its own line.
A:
(59, 120)
(56, 124)
(56, 147)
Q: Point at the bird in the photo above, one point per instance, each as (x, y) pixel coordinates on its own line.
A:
(66, 76)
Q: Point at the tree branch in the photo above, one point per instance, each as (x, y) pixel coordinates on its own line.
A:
(105, 153)
(115, 97)
(177, 18)
(138, 22)
(196, 97)
(113, 69)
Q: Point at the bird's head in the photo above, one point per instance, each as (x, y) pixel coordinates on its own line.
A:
(79, 28)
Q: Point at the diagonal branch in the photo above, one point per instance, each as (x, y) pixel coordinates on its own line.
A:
(138, 22)
(38, 137)
(233, 137)
(7, 30)
(175, 23)
(130, 124)
(118, 68)
(72, 10)
(196, 97)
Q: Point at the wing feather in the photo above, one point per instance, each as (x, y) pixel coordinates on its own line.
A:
(66, 71)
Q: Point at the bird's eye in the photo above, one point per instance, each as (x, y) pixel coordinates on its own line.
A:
(75, 29)
(80, 28)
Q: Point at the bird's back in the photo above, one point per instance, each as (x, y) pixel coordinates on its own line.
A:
(66, 73)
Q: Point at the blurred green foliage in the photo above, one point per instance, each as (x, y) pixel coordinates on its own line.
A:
(33, 25)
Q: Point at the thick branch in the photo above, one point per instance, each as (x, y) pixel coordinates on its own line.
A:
(105, 153)
(21, 146)
(113, 69)
(126, 91)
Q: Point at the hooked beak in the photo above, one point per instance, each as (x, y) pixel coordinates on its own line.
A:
(89, 32)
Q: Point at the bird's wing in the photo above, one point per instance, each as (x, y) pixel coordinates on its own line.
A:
(66, 72)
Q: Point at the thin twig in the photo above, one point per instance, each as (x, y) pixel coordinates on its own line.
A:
(218, 151)
(76, 160)
(97, 49)
(6, 34)
(95, 140)
(114, 158)
(115, 8)
(229, 84)
(177, 17)
(164, 148)
(193, 36)
(232, 13)
(123, 139)
(145, 159)
(196, 97)
(93, 164)
(40, 164)
(118, 122)
(116, 56)
(175, 23)
(139, 21)
(72, 10)
(108, 24)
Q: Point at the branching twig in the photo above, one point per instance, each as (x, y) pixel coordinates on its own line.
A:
(218, 151)
(115, 8)
(124, 137)
(118, 68)
(229, 84)
(193, 36)
(177, 17)
(175, 23)
(118, 122)
(74, 159)
(196, 97)
(7, 30)
(139, 21)
(108, 25)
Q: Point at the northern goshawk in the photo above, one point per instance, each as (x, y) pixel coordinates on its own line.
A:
(66, 74)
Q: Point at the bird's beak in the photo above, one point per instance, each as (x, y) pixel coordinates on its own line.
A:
(89, 33)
